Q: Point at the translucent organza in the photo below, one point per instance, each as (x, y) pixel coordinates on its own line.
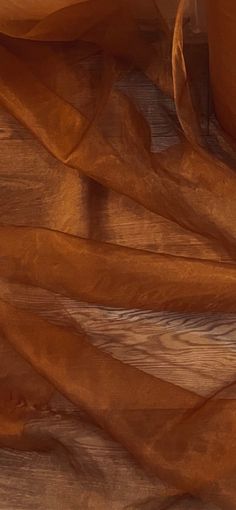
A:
(61, 69)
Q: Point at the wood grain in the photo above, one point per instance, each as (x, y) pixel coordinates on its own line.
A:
(195, 351)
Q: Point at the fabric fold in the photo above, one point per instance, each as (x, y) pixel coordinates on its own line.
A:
(62, 71)
(170, 430)
(115, 276)
(188, 186)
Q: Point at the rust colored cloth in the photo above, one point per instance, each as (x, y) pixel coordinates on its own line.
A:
(222, 37)
(47, 84)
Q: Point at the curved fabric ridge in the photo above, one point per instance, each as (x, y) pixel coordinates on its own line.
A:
(182, 92)
(169, 429)
(183, 438)
(113, 275)
(98, 21)
(188, 186)
(222, 40)
(11, 10)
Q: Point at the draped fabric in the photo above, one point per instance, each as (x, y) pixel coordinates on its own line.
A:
(62, 63)
(222, 34)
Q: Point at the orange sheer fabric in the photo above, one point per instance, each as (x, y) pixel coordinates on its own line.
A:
(222, 43)
(60, 64)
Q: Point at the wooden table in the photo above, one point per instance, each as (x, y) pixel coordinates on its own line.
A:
(196, 351)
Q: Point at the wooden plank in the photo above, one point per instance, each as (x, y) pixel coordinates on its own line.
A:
(196, 351)
(36, 190)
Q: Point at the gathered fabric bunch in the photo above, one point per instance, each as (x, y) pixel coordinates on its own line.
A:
(62, 65)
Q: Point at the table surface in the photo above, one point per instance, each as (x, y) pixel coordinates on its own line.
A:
(196, 351)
